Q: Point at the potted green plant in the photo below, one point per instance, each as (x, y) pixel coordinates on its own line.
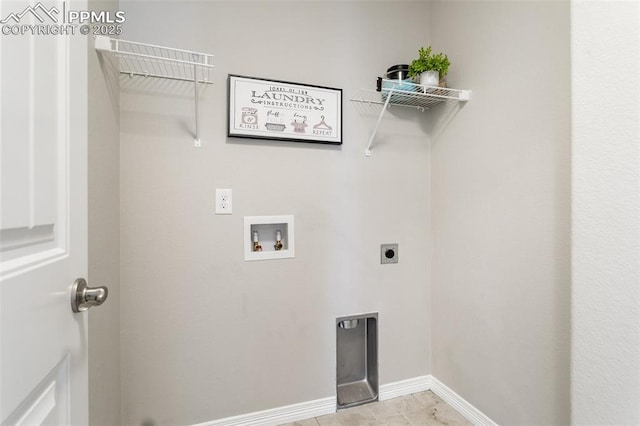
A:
(430, 68)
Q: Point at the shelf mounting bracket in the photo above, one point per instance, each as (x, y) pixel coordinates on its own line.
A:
(367, 151)
(197, 143)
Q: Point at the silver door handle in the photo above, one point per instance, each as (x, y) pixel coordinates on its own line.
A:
(83, 297)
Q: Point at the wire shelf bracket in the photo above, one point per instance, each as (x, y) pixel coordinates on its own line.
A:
(148, 60)
(401, 93)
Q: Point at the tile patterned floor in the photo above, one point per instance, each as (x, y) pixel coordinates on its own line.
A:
(419, 409)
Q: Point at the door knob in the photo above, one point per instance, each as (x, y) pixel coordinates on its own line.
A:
(83, 297)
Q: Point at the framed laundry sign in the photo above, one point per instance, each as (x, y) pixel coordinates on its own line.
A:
(272, 109)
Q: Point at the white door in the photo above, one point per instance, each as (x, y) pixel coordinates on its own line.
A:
(43, 218)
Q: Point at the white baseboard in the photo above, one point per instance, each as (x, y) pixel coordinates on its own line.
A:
(461, 405)
(404, 387)
(320, 407)
(280, 415)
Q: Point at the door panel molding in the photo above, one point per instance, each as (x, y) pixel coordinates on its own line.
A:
(48, 402)
(43, 232)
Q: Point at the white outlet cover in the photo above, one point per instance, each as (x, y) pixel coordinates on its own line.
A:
(224, 201)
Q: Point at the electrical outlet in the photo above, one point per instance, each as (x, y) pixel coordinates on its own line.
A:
(223, 201)
(389, 253)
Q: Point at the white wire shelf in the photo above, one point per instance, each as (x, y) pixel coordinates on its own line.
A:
(401, 93)
(148, 60)
(412, 95)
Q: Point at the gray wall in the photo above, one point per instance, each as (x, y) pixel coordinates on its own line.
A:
(104, 234)
(206, 335)
(501, 210)
(606, 214)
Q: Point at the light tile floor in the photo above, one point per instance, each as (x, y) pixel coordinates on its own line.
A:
(420, 409)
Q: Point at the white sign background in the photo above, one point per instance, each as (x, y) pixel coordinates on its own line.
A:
(270, 109)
